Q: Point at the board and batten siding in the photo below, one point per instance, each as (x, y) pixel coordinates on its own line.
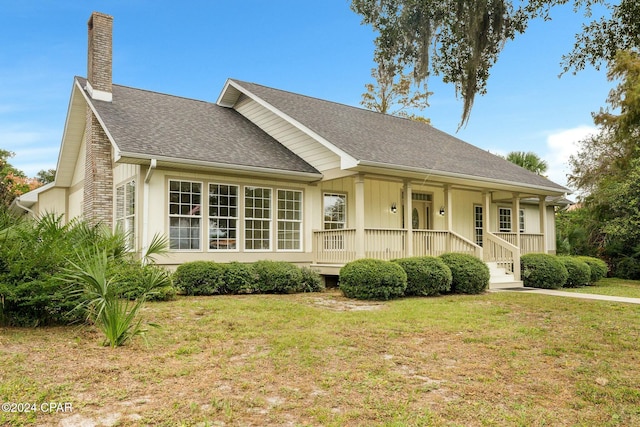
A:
(288, 135)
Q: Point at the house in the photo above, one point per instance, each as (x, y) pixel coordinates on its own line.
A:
(267, 174)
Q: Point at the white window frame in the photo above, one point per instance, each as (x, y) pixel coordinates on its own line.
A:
(195, 212)
(521, 221)
(502, 221)
(251, 218)
(125, 219)
(324, 209)
(478, 230)
(229, 218)
(289, 217)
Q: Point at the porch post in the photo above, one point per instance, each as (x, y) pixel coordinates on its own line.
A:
(359, 216)
(543, 221)
(408, 223)
(486, 216)
(515, 217)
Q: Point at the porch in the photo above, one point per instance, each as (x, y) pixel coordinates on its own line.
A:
(334, 248)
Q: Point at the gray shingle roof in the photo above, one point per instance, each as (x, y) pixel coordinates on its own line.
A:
(373, 137)
(158, 125)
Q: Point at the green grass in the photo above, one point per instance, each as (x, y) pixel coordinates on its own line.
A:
(611, 286)
(322, 360)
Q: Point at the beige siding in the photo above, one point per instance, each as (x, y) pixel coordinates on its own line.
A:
(291, 137)
(124, 172)
(52, 201)
(76, 191)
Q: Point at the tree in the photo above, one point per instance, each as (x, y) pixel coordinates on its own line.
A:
(46, 176)
(461, 40)
(528, 160)
(13, 182)
(394, 96)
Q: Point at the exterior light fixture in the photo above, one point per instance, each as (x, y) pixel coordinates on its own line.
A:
(394, 208)
(441, 210)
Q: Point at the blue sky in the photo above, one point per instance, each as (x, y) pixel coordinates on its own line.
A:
(318, 49)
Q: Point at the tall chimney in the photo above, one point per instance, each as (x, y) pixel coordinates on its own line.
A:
(98, 174)
(99, 64)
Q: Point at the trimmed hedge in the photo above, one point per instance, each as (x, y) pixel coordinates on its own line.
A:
(311, 281)
(131, 277)
(543, 271)
(277, 277)
(579, 272)
(372, 279)
(238, 278)
(200, 278)
(599, 268)
(469, 274)
(426, 276)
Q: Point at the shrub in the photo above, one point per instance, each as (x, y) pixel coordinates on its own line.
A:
(372, 279)
(238, 278)
(132, 281)
(426, 276)
(277, 277)
(469, 274)
(311, 281)
(200, 278)
(628, 268)
(543, 271)
(599, 268)
(579, 272)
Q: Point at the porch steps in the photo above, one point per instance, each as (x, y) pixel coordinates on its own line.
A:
(501, 279)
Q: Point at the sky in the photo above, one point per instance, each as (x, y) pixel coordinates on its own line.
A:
(318, 49)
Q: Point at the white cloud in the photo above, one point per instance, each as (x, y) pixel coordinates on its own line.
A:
(561, 145)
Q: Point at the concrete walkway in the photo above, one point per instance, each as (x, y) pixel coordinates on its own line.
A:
(571, 294)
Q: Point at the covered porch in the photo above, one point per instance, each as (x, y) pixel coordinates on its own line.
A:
(481, 230)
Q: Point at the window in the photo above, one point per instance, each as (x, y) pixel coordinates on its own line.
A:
(289, 219)
(257, 222)
(126, 212)
(335, 211)
(504, 220)
(521, 220)
(223, 216)
(185, 202)
(478, 224)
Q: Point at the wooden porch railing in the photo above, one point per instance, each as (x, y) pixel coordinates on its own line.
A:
(338, 246)
(503, 253)
(529, 242)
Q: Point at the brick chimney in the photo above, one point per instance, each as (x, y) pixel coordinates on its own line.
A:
(98, 177)
(99, 63)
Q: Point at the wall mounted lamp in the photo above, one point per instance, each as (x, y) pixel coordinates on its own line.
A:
(441, 211)
(394, 208)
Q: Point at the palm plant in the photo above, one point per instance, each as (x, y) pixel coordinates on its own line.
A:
(529, 160)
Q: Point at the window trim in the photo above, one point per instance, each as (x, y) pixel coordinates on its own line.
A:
(131, 244)
(346, 213)
(278, 220)
(245, 218)
(237, 218)
(200, 215)
(502, 229)
(478, 238)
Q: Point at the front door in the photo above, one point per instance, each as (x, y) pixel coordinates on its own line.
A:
(421, 215)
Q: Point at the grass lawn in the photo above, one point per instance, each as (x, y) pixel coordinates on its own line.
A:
(612, 286)
(322, 360)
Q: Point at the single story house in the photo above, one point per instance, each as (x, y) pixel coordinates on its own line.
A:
(264, 173)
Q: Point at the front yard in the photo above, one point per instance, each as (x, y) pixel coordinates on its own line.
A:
(320, 359)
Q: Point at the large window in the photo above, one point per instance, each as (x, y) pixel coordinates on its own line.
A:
(289, 219)
(478, 224)
(223, 216)
(522, 221)
(126, 211)
(185, 214)
(504, 220)
(257, 222)
(335, 211)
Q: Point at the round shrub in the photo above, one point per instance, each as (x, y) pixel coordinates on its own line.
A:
(579, 272)
(311, 281)
(469, 274)
(131, 281)
(426, 276)
(543, 271)
(200, 278)
(372, 279)
(628, 268)
(277, 277)
(238, 278)
(599, 268)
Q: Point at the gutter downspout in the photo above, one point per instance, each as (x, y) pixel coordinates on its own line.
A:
(145, 206)
(17, 200)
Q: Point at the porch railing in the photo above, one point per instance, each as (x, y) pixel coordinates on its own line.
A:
(503, 253)
(529, 242)
(338, 246)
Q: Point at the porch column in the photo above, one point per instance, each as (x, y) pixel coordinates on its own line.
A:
(448, 204)
(515, 217)
(543, 222)
(486, 216)
(408, 223)
(359, 216)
